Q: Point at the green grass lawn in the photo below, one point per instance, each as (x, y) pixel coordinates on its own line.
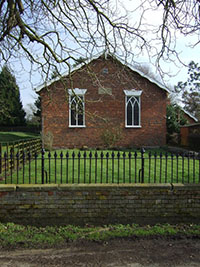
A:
(6, 137)
(109, 168)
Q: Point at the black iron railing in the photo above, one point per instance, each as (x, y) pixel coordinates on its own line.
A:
(99, 167)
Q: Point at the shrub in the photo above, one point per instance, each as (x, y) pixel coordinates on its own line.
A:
(48, 141)
(194, 141)
(111, 136)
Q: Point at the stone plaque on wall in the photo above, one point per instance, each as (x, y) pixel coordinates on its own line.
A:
(105, 91)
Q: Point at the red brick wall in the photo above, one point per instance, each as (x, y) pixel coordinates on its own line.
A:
(53, 204)
(101, 108)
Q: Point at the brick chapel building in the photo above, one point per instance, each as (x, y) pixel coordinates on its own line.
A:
(104, 100)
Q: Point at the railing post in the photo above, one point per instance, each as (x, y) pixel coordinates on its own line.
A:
(42, 164)
(0, 158)
(142, 165)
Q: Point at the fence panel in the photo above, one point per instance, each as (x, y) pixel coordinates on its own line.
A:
(12, 151)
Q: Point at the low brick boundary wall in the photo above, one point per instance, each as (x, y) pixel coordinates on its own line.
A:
(99, 204)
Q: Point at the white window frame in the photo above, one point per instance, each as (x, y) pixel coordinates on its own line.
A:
(134, 93)
(77, 92)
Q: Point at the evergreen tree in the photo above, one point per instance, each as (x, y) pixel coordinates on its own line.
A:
(190, 90)
(12, 113)
(175, 118)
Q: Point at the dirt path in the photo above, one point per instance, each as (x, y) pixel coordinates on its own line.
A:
(115, 253)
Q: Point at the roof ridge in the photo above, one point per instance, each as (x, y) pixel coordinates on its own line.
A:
(89, 60)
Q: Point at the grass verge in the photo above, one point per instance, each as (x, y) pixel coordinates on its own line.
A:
(15, 236)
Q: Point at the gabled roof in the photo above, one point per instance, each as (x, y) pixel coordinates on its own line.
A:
(86, 62)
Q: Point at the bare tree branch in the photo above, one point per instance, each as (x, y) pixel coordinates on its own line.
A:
(52, 33)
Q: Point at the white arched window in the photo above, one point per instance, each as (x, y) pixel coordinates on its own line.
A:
(77, 107)
(132, 108)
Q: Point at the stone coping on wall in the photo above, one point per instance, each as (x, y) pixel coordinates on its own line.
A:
(63, 187)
